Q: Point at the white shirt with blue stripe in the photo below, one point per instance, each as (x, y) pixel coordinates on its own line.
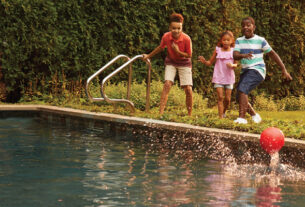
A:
(258, 46)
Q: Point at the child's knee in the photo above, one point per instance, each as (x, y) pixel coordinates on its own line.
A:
(228, 99)
(220, 98)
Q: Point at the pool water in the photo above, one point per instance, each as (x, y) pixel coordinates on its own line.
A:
(43, 164)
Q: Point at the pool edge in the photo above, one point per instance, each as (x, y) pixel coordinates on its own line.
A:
(289, 142)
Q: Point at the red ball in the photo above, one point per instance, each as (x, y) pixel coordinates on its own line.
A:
(272, 140)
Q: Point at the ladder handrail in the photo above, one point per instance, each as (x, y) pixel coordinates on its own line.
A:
(98, 72)
(128, 63)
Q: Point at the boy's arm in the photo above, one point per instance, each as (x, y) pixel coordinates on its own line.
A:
(183, 54)
(238, 56)
(210, 61)
(154, 52)
(279, 62)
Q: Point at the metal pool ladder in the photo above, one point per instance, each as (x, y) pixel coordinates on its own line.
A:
(129, 64)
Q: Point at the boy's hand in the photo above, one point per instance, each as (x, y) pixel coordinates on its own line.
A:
(248, 56)
(286, 75)
(175, 47)
(145, 57)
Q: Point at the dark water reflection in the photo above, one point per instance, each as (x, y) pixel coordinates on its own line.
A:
(56, 165)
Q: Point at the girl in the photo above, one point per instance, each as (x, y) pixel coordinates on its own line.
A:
(223, 76)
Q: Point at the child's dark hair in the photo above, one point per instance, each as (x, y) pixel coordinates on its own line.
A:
(228, 32)
(175, 17)
(250, 19)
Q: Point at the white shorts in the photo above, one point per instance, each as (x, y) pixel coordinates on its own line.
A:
(227, 86)
(185, 74)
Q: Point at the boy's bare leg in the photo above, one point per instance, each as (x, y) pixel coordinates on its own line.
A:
(188, 99)
(219, 92)
(243, 104)
(164, 96)
(227, 100)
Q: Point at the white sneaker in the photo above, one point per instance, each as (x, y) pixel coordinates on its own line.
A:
(240, 121)
(256, 118)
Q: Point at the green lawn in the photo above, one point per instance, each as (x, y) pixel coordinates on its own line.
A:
(284, 115)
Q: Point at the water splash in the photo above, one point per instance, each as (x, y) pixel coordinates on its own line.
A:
(275, 171)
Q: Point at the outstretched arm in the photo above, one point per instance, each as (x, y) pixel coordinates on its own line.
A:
(210, 61)
(279, 62)
(153, 53)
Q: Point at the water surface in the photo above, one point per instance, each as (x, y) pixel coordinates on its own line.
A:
(43, 164)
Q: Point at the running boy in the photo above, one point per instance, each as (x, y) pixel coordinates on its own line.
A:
(179, 53)
(250, 50)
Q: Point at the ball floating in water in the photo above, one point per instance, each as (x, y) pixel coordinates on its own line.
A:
(272, 140)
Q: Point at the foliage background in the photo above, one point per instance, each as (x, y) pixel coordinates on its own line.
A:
(49, 45)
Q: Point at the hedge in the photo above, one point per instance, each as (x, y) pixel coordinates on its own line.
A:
(51, 42)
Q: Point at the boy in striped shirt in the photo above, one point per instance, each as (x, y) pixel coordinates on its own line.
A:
(250, 49)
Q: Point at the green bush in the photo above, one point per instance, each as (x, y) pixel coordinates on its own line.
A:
(43, 39)
(292, 103)
(264, 103)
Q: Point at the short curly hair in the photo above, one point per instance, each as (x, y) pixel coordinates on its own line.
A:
(250, 19)
(175, 17)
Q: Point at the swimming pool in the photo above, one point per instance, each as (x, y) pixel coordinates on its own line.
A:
(44, 162)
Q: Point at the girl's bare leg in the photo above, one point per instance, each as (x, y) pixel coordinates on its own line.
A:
(220, 99)
(227, 100)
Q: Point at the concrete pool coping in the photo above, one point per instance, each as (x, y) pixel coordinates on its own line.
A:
(236, 135)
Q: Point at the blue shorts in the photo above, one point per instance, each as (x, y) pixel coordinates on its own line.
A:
(249, 79)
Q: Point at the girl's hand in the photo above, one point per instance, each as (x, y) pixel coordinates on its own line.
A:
(231, 65)
(202, 59)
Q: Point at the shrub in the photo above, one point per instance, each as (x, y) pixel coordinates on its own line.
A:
(43, 39)
(264, 103)
(292, 103)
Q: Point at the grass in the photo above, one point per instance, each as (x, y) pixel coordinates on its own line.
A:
(292, 123)
(284, 115)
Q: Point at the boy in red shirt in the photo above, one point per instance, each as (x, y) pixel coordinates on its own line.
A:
(179, 53)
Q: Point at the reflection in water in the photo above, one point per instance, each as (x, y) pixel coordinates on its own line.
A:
(130, 175)
(172, 188)
(268, 196)
(220, 190)
(91, 167)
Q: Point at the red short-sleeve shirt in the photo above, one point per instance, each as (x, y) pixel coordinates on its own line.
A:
(184, 43)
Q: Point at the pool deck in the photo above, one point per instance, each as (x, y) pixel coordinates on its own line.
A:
(289, 142)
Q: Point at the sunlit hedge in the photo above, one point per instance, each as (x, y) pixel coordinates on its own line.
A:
(67, 41)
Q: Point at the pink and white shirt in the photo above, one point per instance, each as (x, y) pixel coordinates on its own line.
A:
(222, 73)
